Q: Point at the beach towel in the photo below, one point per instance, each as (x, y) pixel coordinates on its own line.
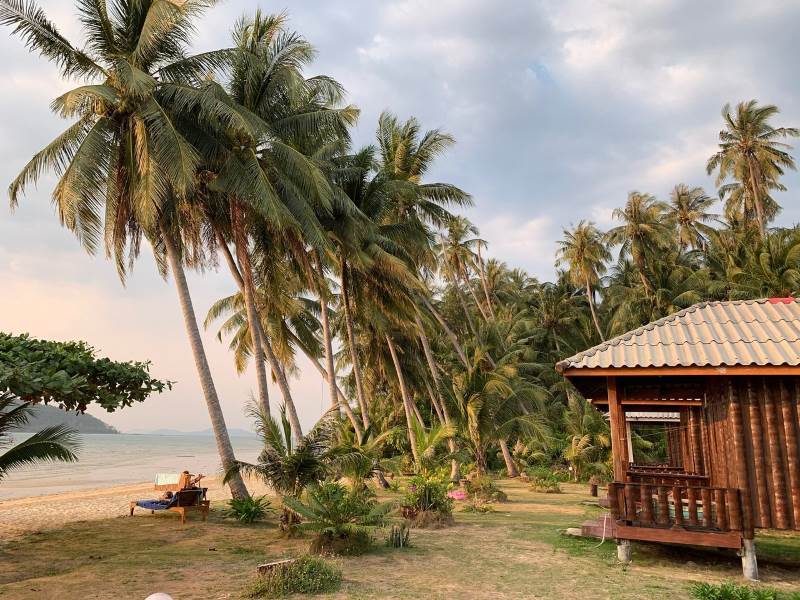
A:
(158, 504)
(168, 478)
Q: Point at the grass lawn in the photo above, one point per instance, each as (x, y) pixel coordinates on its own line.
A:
(515, 552)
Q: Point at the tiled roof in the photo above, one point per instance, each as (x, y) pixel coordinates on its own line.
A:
(738, 332)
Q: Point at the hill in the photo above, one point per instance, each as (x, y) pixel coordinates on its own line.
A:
(45, 416)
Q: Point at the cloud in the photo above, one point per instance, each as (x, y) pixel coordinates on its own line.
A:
(560, 108)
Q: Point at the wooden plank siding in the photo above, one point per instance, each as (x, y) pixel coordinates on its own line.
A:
(746, 436)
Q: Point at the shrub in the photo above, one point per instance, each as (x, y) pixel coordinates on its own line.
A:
(306, 575)
(484, 489)
(545, 481)
(731, 591)
(398, 536)
(342, 520)
(248, 509)
(426, 503)
(477, 506)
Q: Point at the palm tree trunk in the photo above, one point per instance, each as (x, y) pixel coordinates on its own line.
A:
(509, 460)
(326, 333)
(243, 256)
(450, 335)
(351, 342)
(455, 283)
(412, 437)
(455, 470)
(328, 347)
(314, 361)
(434, 401)
(754, 177)
(236, 484)
(474, 295)
(263, 340)
(485, 284)
(590, 298)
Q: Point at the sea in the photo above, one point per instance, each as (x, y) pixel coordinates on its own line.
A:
(107, 460)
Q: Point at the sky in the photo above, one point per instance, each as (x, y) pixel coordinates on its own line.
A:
(559, 108)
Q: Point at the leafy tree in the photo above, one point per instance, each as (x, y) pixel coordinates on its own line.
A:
(71, 375)
(688, 211)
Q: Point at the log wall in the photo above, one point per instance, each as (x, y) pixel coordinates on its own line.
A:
(751, 429)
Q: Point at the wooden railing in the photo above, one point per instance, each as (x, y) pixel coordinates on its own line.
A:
(671, 477)
(708, 509)
(663, 468)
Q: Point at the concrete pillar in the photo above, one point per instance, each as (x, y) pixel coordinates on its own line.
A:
(624, 551)
(749, 562)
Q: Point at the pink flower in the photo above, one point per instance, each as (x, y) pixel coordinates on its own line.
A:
(457, 494)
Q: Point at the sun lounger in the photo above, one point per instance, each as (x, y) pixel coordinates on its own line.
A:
(183, 499)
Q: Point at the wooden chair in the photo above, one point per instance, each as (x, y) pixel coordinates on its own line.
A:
(184, 499)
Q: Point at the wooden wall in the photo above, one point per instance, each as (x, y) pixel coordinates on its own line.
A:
(750, 437)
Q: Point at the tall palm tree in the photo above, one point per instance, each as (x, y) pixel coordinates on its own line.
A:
(644, 231)
(585, 255)
(751, 152)
(125, 159)
(455, 257)
(688, 210)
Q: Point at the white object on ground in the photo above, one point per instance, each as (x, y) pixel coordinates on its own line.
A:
(159, 596)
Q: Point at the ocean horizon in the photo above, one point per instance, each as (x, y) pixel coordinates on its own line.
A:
(108, 460)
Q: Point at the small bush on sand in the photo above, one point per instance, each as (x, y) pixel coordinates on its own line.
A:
(476, 505)
(485, 489)
(731, 591)
(426, 504)
(248, 509)
(399, 536)
(306, 575)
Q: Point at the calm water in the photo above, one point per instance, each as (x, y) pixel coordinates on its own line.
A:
(106, 460)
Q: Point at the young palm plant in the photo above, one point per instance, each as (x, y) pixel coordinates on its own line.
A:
(55, 443)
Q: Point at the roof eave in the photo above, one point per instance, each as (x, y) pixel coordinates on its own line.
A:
(679, 370)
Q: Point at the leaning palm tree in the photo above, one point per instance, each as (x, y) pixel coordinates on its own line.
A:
(688, 211)
(56, 443)
(751, 151)
(124, 164)
(583, 252)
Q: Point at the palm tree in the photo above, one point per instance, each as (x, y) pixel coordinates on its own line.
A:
(750, 151)
(56, 443)
(688, 210)
(125, 155)
(583, 252)
(643, 232)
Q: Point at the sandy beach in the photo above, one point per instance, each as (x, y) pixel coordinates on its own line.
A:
(24, 515)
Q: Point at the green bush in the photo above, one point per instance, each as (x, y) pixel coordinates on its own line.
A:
(426, 503)
(343, 520)
(398, 536)
(307, 575)
(485, 489)
(248, 509)
(731, 591)
(545, 481)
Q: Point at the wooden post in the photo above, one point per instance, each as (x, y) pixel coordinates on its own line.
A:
(734, 505)
(663, 506)
(691, 493)
(775, 461)
(613, 501)
(619, 442)
(792, 450)
(677, 500)
(705, 494)
(647, 504)
(735, 416)
(630, 502)
(697, 441)
(763, 517)
(629, 438)
(722, 512)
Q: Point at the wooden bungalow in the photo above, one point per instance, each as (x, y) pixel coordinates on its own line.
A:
(725, 377)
